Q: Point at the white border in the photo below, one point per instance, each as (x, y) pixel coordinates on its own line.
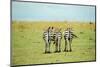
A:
(4, 33)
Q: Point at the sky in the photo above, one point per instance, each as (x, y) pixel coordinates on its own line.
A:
(51, 12)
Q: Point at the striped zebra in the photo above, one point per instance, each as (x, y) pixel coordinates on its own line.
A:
(50, 35)
(46, 37)
(58, 37)
(68, 36)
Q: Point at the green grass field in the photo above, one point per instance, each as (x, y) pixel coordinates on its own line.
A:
(28, 45)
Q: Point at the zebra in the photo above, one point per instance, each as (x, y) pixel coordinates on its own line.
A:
(46, 37)
(68, 36)
(58, 37)
(50, 35)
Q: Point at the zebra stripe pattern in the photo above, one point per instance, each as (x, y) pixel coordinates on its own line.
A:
(68, 34)
(58, 37)
(49, 36)
(55, 36)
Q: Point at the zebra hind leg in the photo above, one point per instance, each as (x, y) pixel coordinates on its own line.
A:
(66, 50)
(47, 48)
(59, 48)
(70, 42)
(56, 47)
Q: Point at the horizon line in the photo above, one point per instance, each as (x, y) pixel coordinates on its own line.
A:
(54, 21)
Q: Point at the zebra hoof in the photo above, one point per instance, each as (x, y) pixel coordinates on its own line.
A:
(55, 51)
(65, 50)
(59, 51)
(45, 52)
(70, 50)
(48, 52)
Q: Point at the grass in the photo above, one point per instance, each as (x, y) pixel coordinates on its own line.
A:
(28, 45)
